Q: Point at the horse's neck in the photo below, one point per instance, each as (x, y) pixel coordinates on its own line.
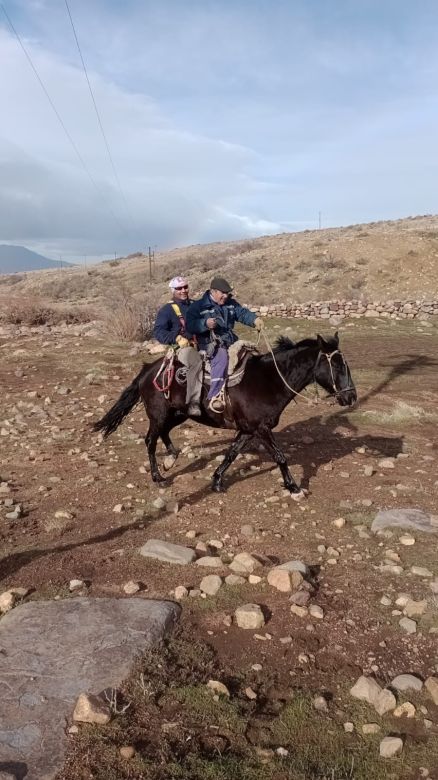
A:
(298, 368)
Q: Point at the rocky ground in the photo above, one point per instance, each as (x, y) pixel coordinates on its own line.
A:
(356, 603)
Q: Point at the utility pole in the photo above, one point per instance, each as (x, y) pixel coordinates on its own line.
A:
(319, 220)
(150, 264)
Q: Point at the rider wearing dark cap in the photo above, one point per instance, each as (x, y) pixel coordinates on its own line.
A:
(212, 320)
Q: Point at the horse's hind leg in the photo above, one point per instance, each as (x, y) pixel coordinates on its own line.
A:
(237, 446)
(151, 440)
(267, 437)
(170, 423)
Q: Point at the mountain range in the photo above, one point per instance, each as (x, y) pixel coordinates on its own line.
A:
(17, 258)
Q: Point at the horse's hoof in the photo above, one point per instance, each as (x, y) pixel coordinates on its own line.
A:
(217, 487)
(300, 496)
(159, 480)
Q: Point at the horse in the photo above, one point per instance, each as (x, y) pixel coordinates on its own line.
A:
(253, 407)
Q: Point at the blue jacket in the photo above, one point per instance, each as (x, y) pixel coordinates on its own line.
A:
(226, 316)
(168, 325)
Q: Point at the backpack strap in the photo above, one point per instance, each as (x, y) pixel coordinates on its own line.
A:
(178, 313)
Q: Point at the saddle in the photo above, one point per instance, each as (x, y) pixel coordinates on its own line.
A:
(238, 356)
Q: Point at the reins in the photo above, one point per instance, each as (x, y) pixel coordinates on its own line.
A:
(327, 355)
(295, 392)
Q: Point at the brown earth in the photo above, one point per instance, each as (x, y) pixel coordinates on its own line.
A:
(50, 394)
(380, 260)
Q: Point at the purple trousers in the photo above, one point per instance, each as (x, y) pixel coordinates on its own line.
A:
(219, 366)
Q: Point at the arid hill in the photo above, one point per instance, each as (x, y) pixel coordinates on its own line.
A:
(382, 260)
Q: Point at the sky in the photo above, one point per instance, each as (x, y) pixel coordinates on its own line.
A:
(225, 119)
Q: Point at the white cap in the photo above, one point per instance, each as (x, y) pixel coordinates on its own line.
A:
(178, 281)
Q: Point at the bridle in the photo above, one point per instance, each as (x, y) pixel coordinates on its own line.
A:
(329, 356)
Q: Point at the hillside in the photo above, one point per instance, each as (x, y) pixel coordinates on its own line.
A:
(380, 260)
(16, 259)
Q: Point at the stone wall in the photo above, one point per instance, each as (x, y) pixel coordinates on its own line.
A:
(325, 310)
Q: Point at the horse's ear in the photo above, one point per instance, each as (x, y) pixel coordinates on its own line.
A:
(336, 337)
(321, 342)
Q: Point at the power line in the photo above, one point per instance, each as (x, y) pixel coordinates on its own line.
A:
(99, 120)
(60, 120)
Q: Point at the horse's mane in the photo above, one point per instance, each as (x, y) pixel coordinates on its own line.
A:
(284, 344)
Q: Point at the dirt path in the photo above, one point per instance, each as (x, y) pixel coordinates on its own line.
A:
(54, 387)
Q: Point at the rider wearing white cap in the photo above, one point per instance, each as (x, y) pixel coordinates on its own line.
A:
(170, 328)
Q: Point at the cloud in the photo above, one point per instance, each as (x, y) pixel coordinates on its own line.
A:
(222, 123)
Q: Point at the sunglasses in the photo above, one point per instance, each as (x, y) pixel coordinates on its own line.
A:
(185, 287)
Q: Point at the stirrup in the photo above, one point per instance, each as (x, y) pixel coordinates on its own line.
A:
(217, 403)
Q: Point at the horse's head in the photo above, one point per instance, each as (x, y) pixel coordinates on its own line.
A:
(332, 371)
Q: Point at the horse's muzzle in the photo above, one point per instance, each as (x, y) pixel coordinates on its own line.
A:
(347, 397)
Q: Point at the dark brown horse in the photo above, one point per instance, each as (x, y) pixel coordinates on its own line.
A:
(254, 406)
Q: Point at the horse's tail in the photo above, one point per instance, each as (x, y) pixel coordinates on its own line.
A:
(123, 406)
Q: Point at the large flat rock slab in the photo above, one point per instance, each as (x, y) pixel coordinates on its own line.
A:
(168, 552)
(51, 651)
(414, 519)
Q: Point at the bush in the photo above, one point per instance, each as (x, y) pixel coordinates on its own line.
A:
(127, 318)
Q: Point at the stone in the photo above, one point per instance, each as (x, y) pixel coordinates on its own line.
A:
(421, 571)
(7, 601)
(349, 727)
(339, 522)
(127, 751)
(299, 611)
(280, 579)
(254, 579)
(247, 530)
(386, 463)
(249, 693)
(211, 584)
(415, 608)
(91, 709)
(405, 518)
(159, 503)
(301, 598)
(407, 540)
(234, 579)
(210, 562)
(366, 689)
(249, 616)
(219, 688)
(409, 626)
(75, 585)
(244, 563)
(431, 686)
(168, 462)
(384, 702)
(294, 566)
(316, 611)
(390, 747)
(168, 552)
(131, 588)
(320, 704)
(407, 682)
(180, 592)
(370, 728)
(405, 710)
(66, 647)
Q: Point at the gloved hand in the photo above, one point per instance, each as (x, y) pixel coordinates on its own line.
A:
(259, 324)
(182, 341)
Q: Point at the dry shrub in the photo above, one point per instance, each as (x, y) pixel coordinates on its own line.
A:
(127, 318)
(33, 311)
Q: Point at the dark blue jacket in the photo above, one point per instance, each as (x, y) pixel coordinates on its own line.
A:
(226, 317)
(168, 325)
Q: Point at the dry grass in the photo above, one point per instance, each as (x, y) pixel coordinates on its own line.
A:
(31, 310)
(379, 261)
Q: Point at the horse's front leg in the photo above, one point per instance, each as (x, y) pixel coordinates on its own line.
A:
(237, 446)
(267, 437)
